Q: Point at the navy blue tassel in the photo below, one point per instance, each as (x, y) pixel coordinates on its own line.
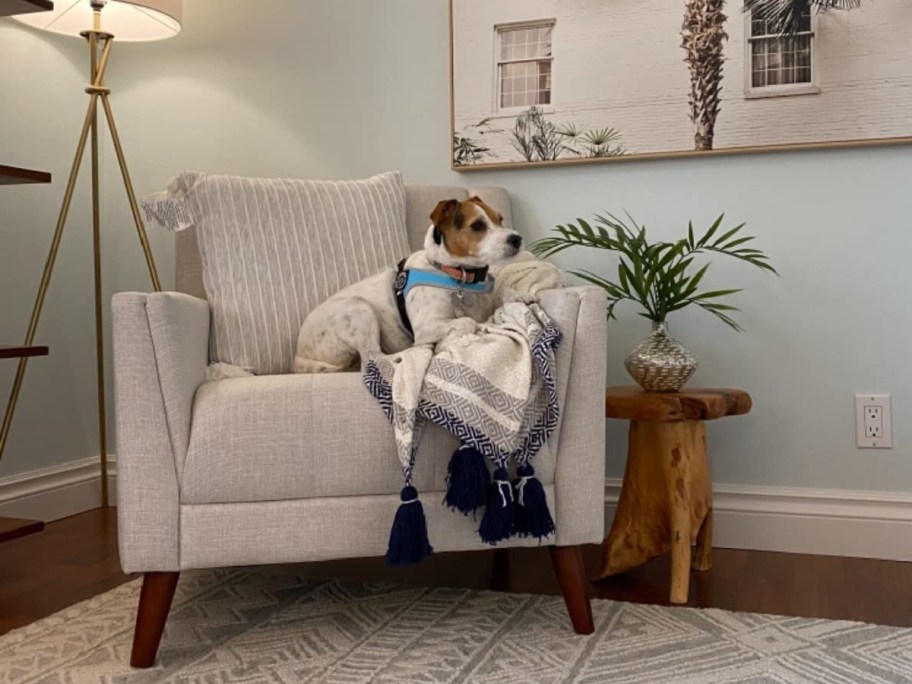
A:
(408, 542)
(467, 480)
(497, 523)
(532, 517)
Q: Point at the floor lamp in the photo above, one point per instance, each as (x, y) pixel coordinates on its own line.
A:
(130, 20)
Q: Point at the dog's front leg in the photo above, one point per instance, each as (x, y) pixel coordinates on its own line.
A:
(434, 330)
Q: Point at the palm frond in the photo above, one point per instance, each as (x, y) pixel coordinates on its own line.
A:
(789, 17)
(660, 276)
(719, 312)
(601, 136)
(569, 130)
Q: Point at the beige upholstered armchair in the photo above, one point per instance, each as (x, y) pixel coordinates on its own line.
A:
(232, 472)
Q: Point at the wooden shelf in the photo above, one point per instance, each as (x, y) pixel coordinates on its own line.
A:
(13, 528)
(7, 352)
(8, 7)
(12, 175)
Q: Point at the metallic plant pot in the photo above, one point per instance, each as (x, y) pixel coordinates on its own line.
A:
(660, 363)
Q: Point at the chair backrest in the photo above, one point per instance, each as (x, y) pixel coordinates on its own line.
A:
(420, 201)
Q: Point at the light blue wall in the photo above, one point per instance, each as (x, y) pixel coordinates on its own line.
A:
(352, 87)
(41, 111)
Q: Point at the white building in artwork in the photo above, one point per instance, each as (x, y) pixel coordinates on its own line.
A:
(618, 64)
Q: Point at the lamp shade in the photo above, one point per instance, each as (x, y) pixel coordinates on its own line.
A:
(131, 20)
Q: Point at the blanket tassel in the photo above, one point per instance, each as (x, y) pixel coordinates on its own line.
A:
(497, 523)
(532, 517)
(408, 542)
(467, 480)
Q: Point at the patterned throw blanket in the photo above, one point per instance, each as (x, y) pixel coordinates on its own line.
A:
(496, 390)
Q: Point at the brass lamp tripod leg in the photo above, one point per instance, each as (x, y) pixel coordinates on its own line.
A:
(131, 195)
(97, 79)
(96, 90)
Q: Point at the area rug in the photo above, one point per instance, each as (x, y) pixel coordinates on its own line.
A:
(270, 625)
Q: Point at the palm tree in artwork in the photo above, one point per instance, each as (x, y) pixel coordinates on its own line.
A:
(703, 38)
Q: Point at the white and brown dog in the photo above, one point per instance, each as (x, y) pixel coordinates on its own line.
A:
(451, 292)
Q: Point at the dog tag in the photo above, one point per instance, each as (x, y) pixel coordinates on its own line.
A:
(459, 302)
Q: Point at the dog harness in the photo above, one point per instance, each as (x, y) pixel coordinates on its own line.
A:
(456, 278)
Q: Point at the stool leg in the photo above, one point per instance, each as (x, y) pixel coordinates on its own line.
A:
(689, 495)
(680, 555)
(639, 531)
(702, 559)
(665, 500)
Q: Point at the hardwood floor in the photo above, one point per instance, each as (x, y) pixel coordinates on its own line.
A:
(13, 528)
(76, 558)
(70, 561)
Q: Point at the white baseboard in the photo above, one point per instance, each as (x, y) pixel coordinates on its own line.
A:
(826, 522)
(54, 493)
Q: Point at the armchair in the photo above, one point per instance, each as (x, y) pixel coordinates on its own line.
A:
(228, 473)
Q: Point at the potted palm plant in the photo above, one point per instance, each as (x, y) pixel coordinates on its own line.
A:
(662, 277)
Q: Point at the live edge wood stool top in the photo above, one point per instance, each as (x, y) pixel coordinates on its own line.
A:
(632, 403)
(666, 499)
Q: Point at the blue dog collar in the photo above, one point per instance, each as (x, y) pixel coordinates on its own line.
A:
(406, 279)
(418, 277)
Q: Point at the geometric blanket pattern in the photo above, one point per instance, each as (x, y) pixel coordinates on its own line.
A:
(272, 625)
(495, 390)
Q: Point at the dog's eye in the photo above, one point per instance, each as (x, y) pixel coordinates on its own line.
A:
(479, 226)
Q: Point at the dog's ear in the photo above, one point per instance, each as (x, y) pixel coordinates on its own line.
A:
(443, 211)
(489, 210)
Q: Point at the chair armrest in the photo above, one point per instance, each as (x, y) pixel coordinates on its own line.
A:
(579, 477)
(161, 343)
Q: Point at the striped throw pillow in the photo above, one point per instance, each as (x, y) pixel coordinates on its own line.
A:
(272, 249)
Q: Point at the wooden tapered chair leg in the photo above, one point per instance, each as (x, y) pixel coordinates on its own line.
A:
(500, 570)
(571, 576)
(154, 604)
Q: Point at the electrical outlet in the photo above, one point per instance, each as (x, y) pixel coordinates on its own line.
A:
(873, 421)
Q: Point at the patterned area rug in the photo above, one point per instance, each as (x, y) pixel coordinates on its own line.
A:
(268, 625)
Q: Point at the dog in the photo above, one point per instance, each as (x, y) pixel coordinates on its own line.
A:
(441, 290)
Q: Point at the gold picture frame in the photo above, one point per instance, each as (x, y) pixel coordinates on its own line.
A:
(496, 164)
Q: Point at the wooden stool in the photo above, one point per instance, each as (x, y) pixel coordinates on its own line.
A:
(666, 498)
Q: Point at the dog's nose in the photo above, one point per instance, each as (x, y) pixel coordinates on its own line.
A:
(515, 241)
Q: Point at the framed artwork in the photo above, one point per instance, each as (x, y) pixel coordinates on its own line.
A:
(581, 81)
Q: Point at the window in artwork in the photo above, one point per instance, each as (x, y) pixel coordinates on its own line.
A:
(777, 62)
(524, 65)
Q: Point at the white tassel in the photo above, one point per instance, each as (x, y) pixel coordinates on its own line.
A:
(501, 485)
(521, 488)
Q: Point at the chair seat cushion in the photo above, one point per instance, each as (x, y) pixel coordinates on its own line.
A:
(281, 437)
